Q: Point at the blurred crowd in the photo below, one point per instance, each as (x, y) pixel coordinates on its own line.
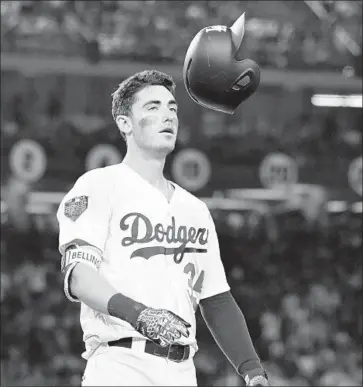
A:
(297, 277)
(39, 108)
(298, 282)
(278, 34)
(300, 289)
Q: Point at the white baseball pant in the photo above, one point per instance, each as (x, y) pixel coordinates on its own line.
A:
(118, 366)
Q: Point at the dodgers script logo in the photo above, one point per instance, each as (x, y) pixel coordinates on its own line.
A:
(143, 231)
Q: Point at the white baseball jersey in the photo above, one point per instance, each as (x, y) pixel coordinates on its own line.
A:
(164, 254)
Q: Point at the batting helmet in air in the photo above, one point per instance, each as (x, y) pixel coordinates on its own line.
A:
(215, 73)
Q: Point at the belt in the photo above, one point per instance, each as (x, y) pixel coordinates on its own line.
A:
(175, 352)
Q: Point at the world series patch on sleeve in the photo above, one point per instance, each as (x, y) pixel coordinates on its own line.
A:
(75, 207)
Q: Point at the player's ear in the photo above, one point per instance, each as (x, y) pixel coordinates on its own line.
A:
(124, 124)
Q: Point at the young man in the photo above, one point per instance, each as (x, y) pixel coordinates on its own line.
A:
(140, 253)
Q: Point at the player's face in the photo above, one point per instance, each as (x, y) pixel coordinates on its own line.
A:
(155, 120)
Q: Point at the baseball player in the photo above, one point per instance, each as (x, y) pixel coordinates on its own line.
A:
(141, 254)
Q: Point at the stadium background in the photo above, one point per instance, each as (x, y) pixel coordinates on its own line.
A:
(283, 176)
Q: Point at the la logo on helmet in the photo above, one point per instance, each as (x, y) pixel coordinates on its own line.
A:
(216, 28)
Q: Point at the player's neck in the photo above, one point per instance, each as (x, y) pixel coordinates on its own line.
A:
(151, 169)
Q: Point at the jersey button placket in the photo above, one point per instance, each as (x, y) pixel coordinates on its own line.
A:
(165, 220)
(170, 264)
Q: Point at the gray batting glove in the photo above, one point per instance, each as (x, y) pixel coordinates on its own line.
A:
(162, 326)
(256, 377)
(258, 381)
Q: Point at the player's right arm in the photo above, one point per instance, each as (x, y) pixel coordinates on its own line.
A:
(83, 217)
(85, 284)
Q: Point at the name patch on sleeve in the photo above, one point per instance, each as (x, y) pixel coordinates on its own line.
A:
(81, 254)
(75, 207)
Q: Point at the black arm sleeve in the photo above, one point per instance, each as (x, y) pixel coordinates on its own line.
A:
(227, 324)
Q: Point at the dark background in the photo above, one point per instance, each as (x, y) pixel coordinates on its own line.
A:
(283, 177)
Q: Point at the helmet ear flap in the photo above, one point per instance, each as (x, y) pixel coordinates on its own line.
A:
(238, 31)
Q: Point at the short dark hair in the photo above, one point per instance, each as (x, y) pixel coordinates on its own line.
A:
(124, 97)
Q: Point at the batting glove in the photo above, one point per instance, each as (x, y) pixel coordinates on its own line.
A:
(256, 377)
(162, 326)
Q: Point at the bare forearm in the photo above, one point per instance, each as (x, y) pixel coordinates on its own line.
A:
(91, 288)
(97, 293)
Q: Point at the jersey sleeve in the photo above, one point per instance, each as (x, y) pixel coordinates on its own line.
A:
(84, 214)
(215, 280)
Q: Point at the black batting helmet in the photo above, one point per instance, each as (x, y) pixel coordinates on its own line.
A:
(215, 74)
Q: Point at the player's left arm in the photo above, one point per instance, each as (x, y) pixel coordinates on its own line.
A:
(225, 319)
